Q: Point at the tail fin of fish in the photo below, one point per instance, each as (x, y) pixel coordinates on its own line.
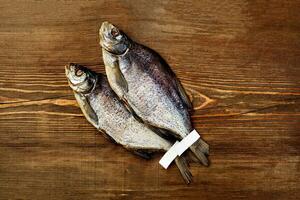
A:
(184, 169)
(203, 146)
(201, 151)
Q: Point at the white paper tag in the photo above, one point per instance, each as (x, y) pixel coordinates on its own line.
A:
(178, 148)
(186, 142)
(169, 156)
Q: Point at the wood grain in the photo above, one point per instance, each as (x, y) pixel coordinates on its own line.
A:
(238, 60)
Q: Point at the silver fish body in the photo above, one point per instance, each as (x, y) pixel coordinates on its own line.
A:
(119, 123)
(103, 109)
(143, 79)
(151, 96)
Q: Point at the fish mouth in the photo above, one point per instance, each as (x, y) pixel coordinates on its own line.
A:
(71, 70)
(104, 35)
(71, 67)
(105, 27)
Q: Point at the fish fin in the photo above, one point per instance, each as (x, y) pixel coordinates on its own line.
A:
(130, 109)
(120, 80)
(87, 110)
(164, 133)
(199, 154)
(202, 146)
(144, 154)
(184, 169)
(185, 98)
(108, 137)
(113, 70)
(190, 156)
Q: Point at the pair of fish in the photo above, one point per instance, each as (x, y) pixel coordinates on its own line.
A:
(140, 104)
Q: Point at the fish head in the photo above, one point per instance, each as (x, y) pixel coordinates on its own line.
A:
(80, 78)
(112, 39)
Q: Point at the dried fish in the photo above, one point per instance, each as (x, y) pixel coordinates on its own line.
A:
(141, 78)
(104, 111)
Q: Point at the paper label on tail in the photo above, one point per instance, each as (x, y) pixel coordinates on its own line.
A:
(186, 142)
(178, 148)
(169, 156)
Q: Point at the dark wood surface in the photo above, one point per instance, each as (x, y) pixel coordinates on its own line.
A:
(238, 60)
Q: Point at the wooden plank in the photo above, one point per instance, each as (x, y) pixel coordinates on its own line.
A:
(238, 60)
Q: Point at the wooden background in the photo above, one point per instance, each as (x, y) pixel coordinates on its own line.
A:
(239, 61)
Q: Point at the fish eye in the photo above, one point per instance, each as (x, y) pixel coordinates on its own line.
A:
(79, 72)
(114, 32)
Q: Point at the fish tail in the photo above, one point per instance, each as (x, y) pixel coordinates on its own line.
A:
(201, 151)
(184, 169)
(203, 146)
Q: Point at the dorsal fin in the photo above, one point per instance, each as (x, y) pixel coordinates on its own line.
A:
(87, 110)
